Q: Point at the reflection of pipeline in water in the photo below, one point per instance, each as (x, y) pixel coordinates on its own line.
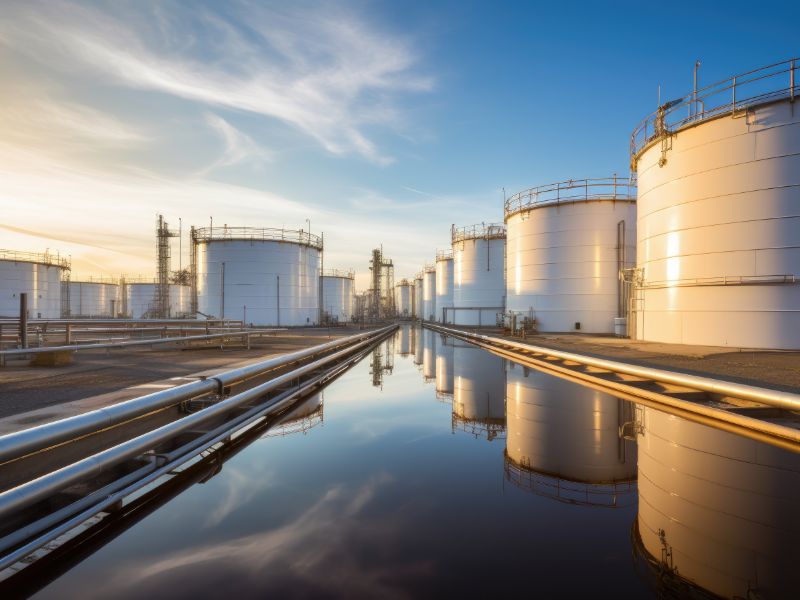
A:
(564, 440)
(404, 343)
(428, 355)
(444, 369)
(307, 415)
(479, 383)
(717, 511)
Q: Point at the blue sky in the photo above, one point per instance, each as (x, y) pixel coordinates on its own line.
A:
(381, 122)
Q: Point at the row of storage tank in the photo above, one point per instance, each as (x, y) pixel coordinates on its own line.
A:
(700, 246)
(715, 509)
(262, 276)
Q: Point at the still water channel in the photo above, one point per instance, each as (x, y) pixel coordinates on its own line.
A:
(434, 468)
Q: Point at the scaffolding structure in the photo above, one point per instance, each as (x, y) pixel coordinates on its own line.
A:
(381, 292)
(164, 254)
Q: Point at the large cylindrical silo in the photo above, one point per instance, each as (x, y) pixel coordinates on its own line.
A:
(428, 355)
(37, 275)
(718, 242)
(479, 391)
(403, 294)
(570, 433)
(717, 510)
(141, 299)
(338, 295)
(479, 286)
(429, 293)
(269, 275)
(418, 296)
(568, 243)
(444, 286)
(93, 299)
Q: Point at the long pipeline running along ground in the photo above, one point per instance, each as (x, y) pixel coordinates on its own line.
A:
(767, 415)
(41, 508)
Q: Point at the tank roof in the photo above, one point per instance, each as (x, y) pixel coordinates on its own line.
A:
(734, 95)
(257, 234)
(570, 191)
(41, 258)
(486, 231)
(444, 254)
(339, 273)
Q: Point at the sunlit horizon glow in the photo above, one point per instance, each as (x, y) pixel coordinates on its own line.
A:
(381, 126)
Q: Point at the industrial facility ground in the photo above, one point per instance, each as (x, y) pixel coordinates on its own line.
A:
(765, 368)
(98, 378)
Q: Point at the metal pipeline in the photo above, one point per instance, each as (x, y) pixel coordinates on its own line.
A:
(769, 397)
(21, 443)
(38, 489)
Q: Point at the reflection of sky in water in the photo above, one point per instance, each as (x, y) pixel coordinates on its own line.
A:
(381, 500)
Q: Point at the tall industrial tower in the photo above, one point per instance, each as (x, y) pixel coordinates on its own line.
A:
(381, 291)
(163, 252)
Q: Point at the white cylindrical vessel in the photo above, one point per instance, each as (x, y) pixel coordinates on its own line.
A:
(566, 431)
(404, 344)
(444, 367)
(418, 296)
(269, 275)
(428, 355)
(37, 275)
(429, 293)
(479, 286)
(141, 300)
(444, 285)
(403, 295)
(479, 386)
(180, 301)
(722, 508)
(338, 295)
(418, 346)
(568, 243)
(718, 243)
(93, 299)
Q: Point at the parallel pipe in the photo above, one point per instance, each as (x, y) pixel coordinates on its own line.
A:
(21, 443)
(39, 489)
(769, 397)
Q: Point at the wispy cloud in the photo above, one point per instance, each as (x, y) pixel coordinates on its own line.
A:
(320, 69)
(238, 146)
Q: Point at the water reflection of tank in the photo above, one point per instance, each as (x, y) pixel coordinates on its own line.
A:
(307, 414)
(428, 355)
(404, 343)
(717, 511)
(418, 346)
(444, 369)
(479, 379)
(564, 440)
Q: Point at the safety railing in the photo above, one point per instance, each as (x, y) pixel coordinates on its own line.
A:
(43, 258)
(484, 231)
(339, 273)
(729, 96)
(444, 254)
(429, 268)
(572, 190)
(260, 234)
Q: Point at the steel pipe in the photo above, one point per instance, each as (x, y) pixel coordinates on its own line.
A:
(769, 397)
(20, 443)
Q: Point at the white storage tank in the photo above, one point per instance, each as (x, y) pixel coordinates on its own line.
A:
(568, 242)
(264, 276)
(718, 236)
(479, 391)
(180, 301)
(723, 508)
(93, 299)
(479, 286)
(404, 343)
(418, 347)
(444, 284)
(418, 296)
(139, 299)
(444, 368)
(566, 431)
(338, 295)
(39, 276)
(429, 293)
(403, 296)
